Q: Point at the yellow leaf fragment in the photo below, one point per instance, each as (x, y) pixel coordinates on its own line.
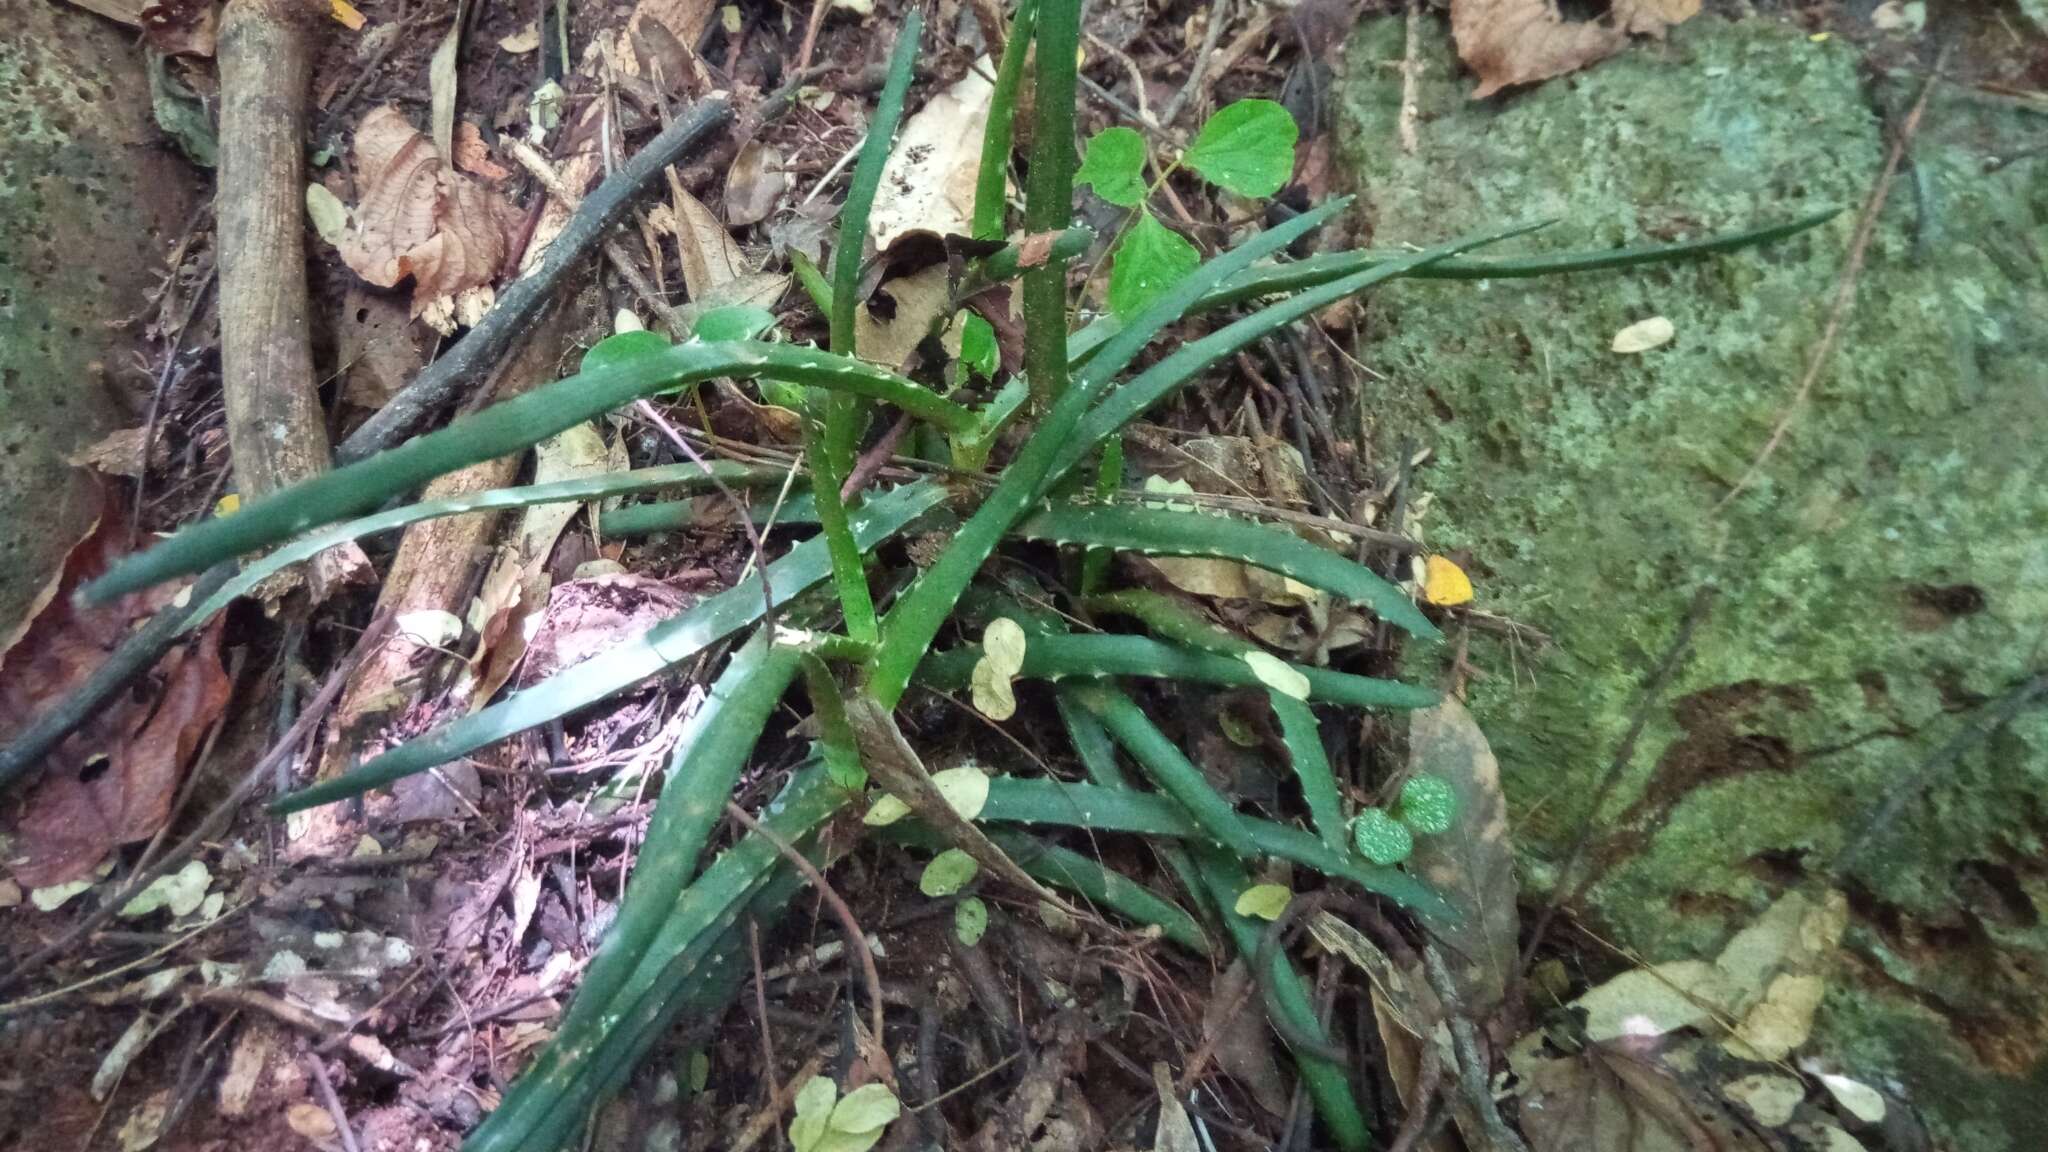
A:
(1444, 583)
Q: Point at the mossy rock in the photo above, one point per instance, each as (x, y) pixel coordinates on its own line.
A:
(1882, 579)
(85, 184)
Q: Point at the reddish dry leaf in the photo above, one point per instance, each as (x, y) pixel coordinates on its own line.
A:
(416, 217)
(110, 783)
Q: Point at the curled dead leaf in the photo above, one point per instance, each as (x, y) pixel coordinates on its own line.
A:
(754, 184)
(416, 217)
(1511, 42)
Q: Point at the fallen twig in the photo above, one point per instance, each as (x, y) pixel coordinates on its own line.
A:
(857, 940)
(1845, 284)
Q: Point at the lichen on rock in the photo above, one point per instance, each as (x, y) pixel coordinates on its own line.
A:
(1882, 578)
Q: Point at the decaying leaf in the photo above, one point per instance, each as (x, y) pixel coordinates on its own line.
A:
(1175, 1133)
(417, 217)
(1473, 864)
(473, 156)
(1606, 1099)
(1648, 1002)
(1510, 42)
(379, 345)
(181, 27)
(754, 184)
(118, 453)
(928, 183)
(917, 302)
(706, 251)
(1769, 1097)
(112, 781)
(1242, 1048)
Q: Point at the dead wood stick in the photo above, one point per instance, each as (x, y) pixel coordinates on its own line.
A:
(276, 429)
(856, 939)
(521, 300)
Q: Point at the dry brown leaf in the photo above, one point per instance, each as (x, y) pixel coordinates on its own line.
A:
(127, 12)
(1649, 1002)
(706, 251)
(1243, 1047)
(1605, 1099)
(918, 301)
(473, 156)
(380, 347)
(1652, 17)
(928, 184)
(118, 453)
(590, 616)
(1509, 42)
(754, 184)
(417, 217)
(111, 782)
(1473, 864)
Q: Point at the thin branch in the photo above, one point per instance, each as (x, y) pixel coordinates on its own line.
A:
(856, 940)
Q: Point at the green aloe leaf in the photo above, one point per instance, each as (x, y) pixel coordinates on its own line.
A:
(1057, 657)
(1166, 532)
(992, 180)
(684, 477)
(1117, 808)
(1150, 259)
(508, 426)
(1114, 165)
(1247, 147)
(928, 603)
(661, 647)
(979, 352)
(734, 322)
(1168, 767)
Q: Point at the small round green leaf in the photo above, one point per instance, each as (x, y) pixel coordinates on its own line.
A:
(1114, 166)
(736, 322)
(1265, 901)
(886, 811)
(622, 347)
(970, 921)
(1381, 838)
(949, 872)
(965, 789)
(1247, 147)
(1149, 260)
(1429, 805)
(813, 1112)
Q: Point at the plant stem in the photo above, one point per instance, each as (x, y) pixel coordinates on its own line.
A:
(1049, 198)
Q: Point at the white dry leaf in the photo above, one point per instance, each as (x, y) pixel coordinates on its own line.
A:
(928, 183)
(1278, 674)
(965, 789)
(990, 687)
(182, 892)
(311, 1121)
(523, 41)
(246, 1063)
(1647, 1002)
(1772, 1029)
(857, 7)
(114, 1064)
(145, 1123)
(1002, 645)
(430, 627)
(56, 895)
(10, 893)
(1769, 1097)
(1856, 1098)
(1644, 335)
